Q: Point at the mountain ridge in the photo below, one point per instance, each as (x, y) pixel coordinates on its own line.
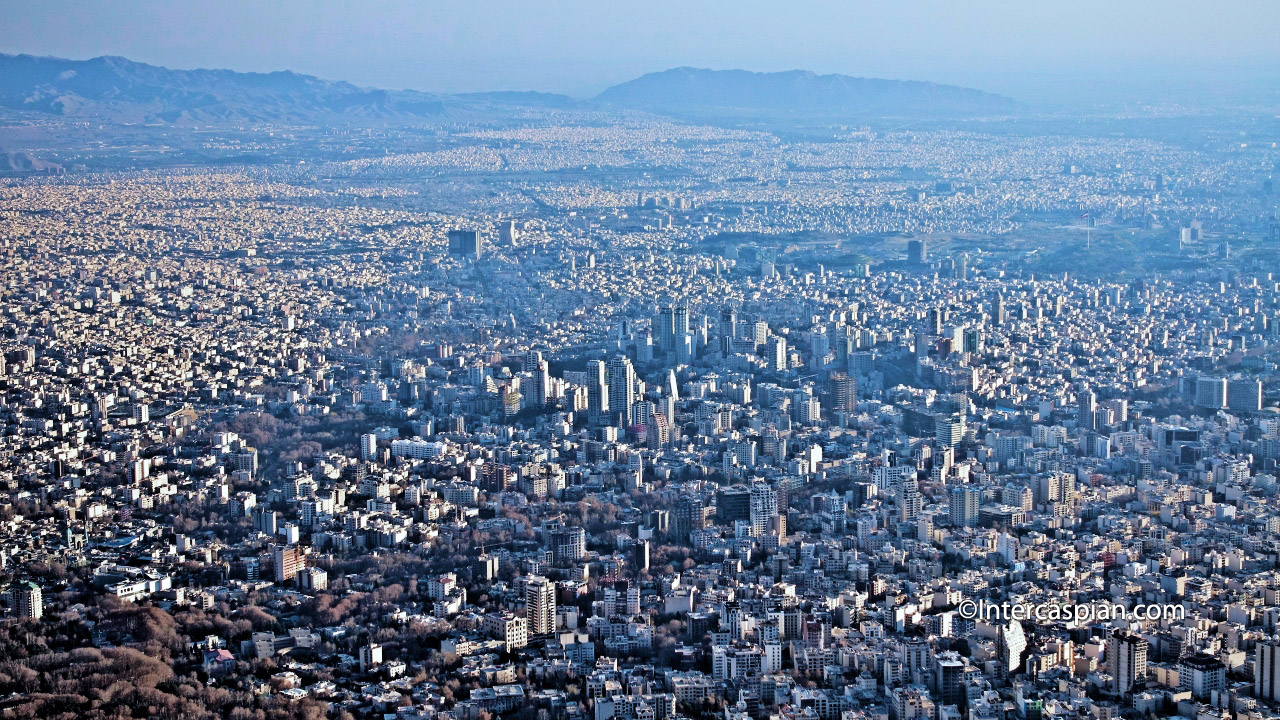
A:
(114, 89)
(689, 89)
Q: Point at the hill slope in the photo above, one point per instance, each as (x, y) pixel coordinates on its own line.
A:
(798, 92)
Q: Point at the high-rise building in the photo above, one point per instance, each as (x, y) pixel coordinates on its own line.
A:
(764, 506)
(964, 501)
(622, 391)
(464, 243)
(1202, 675)
(1211, 393)
(507, 233)
(917, 251)
(778, 355)
(1244, 394)
(597, 390)
(540, 605)
(568, 544)
(1087, 402)
(844, 392)
(27, 601)
(949, 430)
(1013, 642)
(690, 515)
(1266, 670)
(288, 561)
(949, 674)
(732, 504)
(1126, 660)
(368, 446)
(910, 503)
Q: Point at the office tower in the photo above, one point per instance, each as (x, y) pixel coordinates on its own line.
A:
(622, 391)
(464, 243)
(949, 430)
(540, 605)
(1266, 670)
(963, 505)
(1211, 393)
(997, 310)
(368, 446)
(962, 267)
(597, 390)
(1088, 405)
(27, 601)
(1244, 394)
(844, 392)
(917, 251)
(1126, 660)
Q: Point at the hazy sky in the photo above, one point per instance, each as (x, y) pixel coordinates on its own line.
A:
(1029, 49)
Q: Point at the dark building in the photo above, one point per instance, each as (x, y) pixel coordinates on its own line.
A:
(917, 251)
(733, 503)
(464, 243)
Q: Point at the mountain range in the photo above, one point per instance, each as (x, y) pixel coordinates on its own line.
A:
(117, 90)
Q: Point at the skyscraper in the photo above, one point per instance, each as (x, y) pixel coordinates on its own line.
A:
(464, 243)
(540, 605)
(622, 391)
(597, 390)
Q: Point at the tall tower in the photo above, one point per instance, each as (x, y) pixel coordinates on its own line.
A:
(597, 390)
(540, 605)
(1088, 406)
(622, 391)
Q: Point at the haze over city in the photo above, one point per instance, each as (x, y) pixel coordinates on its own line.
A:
(1058, 53)
(617, 361)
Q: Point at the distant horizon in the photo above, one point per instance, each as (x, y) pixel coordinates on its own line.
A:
(1258, 86)
(1091, 53)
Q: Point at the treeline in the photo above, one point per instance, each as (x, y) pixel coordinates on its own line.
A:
(126, 683)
